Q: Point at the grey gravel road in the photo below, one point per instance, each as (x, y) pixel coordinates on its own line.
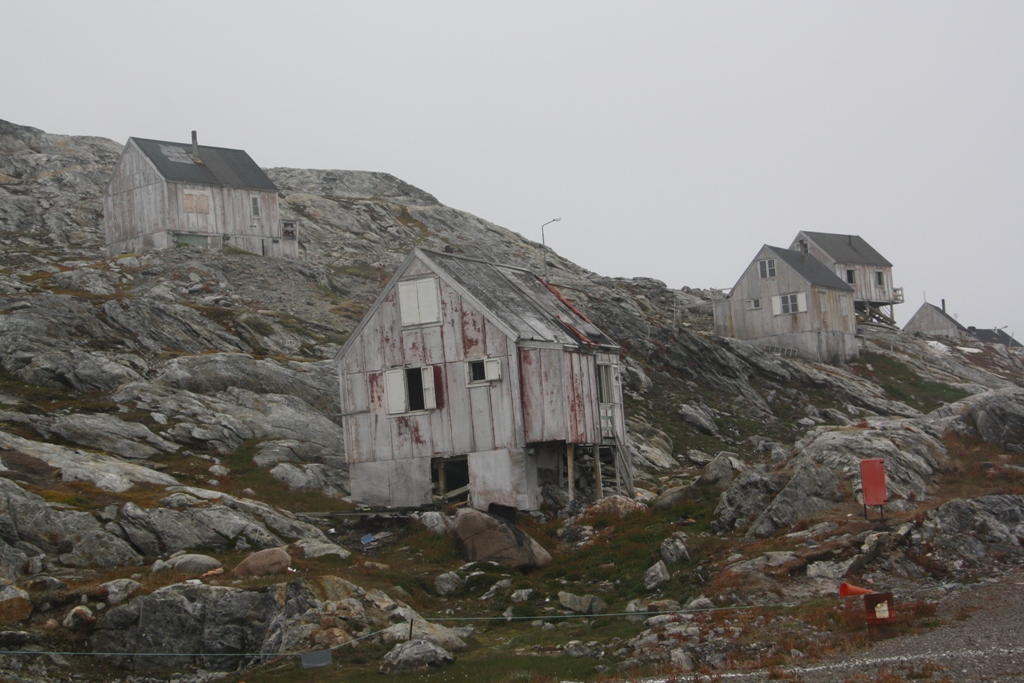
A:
(986, 646)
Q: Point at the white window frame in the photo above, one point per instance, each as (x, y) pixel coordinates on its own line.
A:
(766, 268)
(491, 368)
(419, 302)
(396, 390)
(753, 304)
(784, 303)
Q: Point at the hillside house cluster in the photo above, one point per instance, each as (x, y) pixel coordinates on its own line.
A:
(806, 300)
(162, 194)
(469, 380)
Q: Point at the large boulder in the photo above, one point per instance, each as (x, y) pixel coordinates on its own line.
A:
(415, 655)
(809, 491)
(15, 604)
(620, 506)
(482, 536)
(264, 562)
(583, 604)
(999, 419)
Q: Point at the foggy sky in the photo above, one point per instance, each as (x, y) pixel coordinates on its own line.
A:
(672, 138)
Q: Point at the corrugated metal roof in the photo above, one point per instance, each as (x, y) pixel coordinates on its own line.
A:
(220, 166)
(847, 248)
(809, 268)
(522, 301)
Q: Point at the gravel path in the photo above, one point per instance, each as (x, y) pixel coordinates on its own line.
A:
(987, 645)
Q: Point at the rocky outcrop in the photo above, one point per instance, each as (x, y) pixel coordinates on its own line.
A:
(481, 536)
(762, 503)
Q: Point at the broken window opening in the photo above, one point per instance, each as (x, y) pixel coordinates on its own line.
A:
(412, 389)
(449, 478)
(851, 276)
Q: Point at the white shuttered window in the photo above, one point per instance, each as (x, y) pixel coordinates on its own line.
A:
(409, 390)
(418, 302)
(789, 303)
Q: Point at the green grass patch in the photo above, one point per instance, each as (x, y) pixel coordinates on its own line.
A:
(901, 383)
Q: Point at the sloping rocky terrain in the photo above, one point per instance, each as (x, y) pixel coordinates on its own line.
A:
(156, 406)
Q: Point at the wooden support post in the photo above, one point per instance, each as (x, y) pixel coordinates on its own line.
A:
(570, 457)
(597, 472)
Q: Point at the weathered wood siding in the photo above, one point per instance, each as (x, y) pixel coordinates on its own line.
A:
(135, 200)
(470, 418)
(932, 322)
(864, 285)
(823, 332)
(141, 210)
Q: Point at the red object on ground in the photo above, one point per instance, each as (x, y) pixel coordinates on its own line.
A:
(872, 477)
(880, 609)
(848, 589)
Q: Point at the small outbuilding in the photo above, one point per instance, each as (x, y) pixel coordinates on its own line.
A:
(859, 265)
(790, 303)
(479, 381)
(163, 194)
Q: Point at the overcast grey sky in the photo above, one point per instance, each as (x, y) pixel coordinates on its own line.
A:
(672, 138)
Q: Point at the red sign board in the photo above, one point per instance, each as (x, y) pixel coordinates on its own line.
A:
(872, 477)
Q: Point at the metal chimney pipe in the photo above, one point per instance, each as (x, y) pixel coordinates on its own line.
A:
(943, 305)
(195, 145)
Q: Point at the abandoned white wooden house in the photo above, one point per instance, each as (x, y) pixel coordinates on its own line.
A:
(790, 303)
(859, 265)
(933, 321)
(472, 378)
(163, 194)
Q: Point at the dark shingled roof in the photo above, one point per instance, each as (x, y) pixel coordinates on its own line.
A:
(220, 166)
(809, 268)
(994, 337)
(848, 248)
(522, 301)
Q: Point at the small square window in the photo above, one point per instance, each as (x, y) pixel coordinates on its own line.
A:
(766, 268)
(486, 370)
(753, 304)
(789, 303)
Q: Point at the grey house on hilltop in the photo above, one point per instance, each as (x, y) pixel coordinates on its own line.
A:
(935, 322)
(163, 194)
(791, 303)
(859, 265)
(473, 378)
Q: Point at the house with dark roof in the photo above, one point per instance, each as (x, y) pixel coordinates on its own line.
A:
(162, 194)
(791, 303)
(479, 381)
(934, 321)
(859, 265)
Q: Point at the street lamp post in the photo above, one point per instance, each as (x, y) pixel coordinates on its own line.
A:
(544, 246)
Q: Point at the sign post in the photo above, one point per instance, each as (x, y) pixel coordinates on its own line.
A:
(872, 478)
